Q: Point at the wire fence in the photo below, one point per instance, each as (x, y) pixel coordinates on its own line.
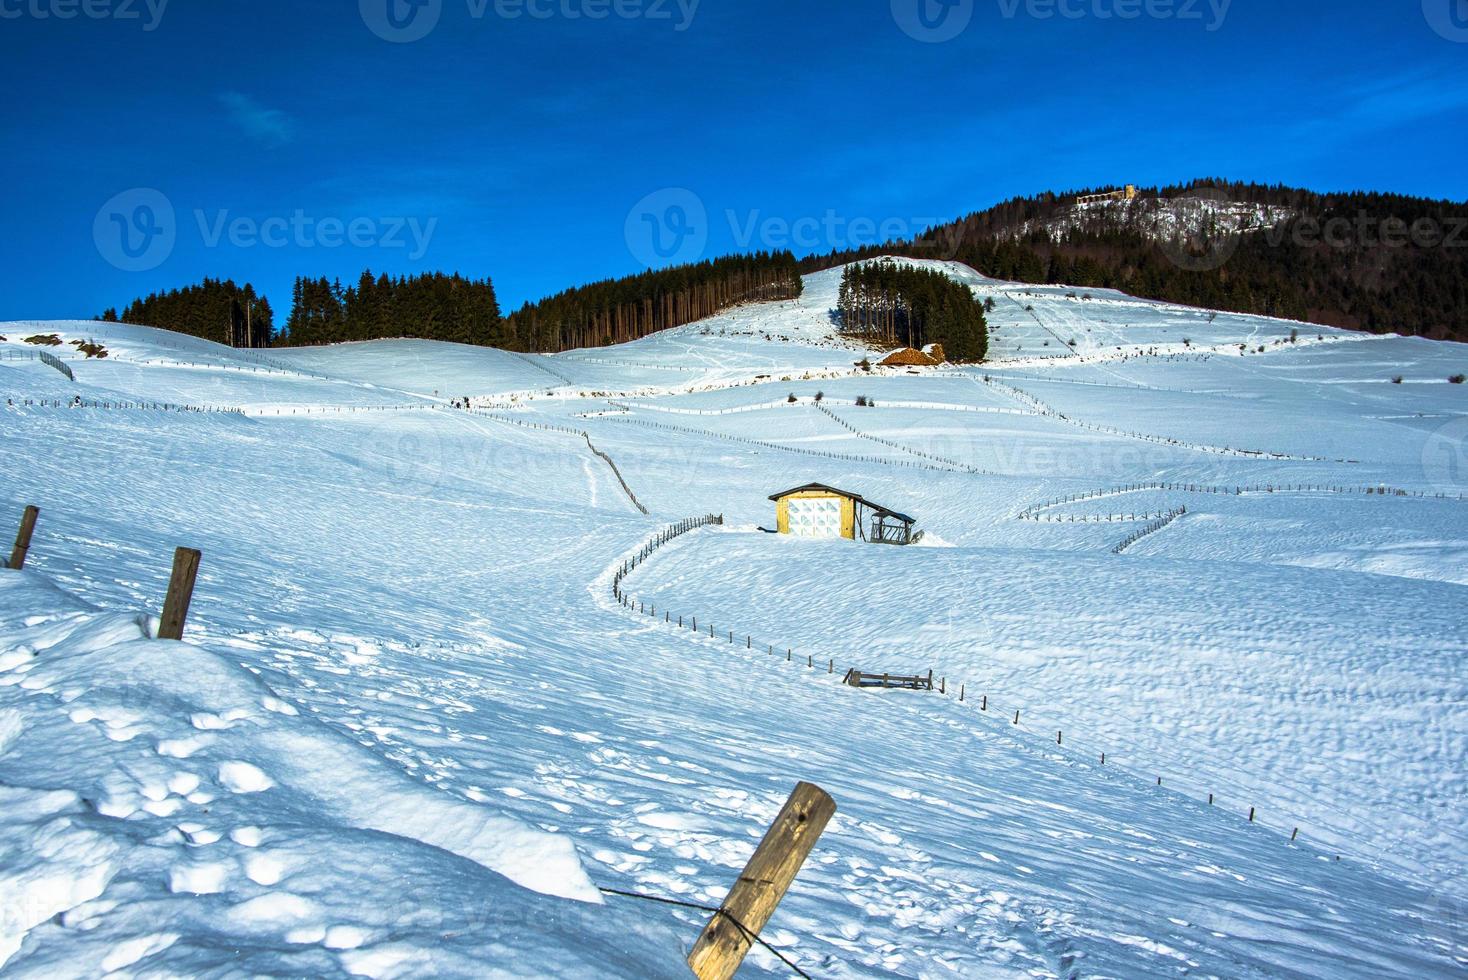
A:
(51, 359)
(81, 403)
(1042, 408)
(617, 473)
(798, 450)
(932, 458)
(1036, 512)
(538, 364)
(1007, 718)
(1149, 530)
(568, 430)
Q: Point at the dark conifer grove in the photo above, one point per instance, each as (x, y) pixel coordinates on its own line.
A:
(452, 308)
(434, 306)
(891, 304)
(215, 309)
(619, 310)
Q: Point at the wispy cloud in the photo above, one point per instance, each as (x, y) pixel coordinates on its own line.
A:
(272, 127)
(1393, 100)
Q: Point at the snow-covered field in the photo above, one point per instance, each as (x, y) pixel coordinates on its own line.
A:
(411, 731)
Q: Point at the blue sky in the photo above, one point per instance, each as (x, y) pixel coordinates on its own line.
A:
(528, 140)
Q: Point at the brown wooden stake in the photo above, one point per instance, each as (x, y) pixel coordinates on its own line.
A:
(1251, 814)
(753, 899)
(1294, 835)
(23, 538)
(180, 594)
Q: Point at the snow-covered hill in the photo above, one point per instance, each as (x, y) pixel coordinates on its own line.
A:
(412, 731)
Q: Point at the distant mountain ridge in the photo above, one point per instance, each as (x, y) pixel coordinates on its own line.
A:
(1384, 263)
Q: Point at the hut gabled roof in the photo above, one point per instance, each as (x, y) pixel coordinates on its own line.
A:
(884, 511)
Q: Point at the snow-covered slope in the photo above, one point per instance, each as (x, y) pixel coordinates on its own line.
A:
(412, 731)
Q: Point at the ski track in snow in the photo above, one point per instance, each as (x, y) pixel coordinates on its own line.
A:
(411, 726)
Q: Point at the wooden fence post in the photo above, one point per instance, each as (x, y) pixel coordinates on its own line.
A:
(180, 594)
(753, 899)
(23, 538)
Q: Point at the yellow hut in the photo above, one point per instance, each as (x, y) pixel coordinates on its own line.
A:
(818, 511)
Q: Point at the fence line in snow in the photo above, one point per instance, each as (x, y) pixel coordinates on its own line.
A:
(618, 474)
(79, 402)
(267, 411)
(48, 358)
(670, 410)
(778, 403)
(844, 457)
(1042, 408)
(1149, 530)
(548, 370)
(578, 359)
(931, 457)
(180, 583)
(635, 605)
(747, 907)
(262, 365)
(1035, 511)
(568, 430)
